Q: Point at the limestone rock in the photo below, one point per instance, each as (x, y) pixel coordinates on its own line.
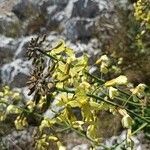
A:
(77, 29)
(16, 73)
(85, 8)
(9, 25)
(8, 47)
(24, 9)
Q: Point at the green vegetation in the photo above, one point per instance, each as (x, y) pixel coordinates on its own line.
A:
(142, 15)
(67, 80)
(80, 95)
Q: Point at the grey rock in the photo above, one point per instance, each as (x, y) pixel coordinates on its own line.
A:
(140, 142)
(9, 25)
(77, 29)
(88, 19)
(24, 9)
(16, 73)
(12, 142)
(81, 147)
(55, 15)
(85, 8)
(8, 48)
(19, 80)
(35, 15)
(23, 53)
(57, 2)
(44, 4)
(31, 14)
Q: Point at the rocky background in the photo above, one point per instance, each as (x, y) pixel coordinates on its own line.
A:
(86, 25)
(92, 26)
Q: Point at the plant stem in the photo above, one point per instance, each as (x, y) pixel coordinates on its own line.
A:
(117, 105)
(24, 110)
(108, 102)
(101, 81)
(94, 96)
(121, 99)
(140, 128)
(133, 103)
(50, 56)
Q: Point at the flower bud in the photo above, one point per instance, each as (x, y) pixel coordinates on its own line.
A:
(113, 92)
(121, 80)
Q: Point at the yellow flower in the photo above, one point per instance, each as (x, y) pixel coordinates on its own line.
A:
(139, 90)
(21, 123)
(104, 62)
(1, 94)
(113, 92)
(13, 109)
(30, 105)
(60, 146)
(103, 68)
(121, 80)
(127, 121)
(46, 123)
(103, 58)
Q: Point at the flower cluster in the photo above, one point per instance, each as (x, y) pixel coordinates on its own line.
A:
(142, 11)
(79, 95)
(142, 15)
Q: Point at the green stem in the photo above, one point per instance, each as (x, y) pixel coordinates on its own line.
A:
(83, 134)
(101, 81)
(140, 128)
(121, 99)
(123, 92)
(23, 110)
(67, 90)
(96, 97)
(108, 102)
(132, 103)
(50, 56)
(63, 130)
(117, 105)
(127, 100)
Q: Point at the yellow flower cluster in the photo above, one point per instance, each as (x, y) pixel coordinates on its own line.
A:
(142, 12)
(104, 62)
(7, 97)
(139, 90)
(21, 122)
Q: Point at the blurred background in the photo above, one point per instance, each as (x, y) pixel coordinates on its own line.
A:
(93, 26)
